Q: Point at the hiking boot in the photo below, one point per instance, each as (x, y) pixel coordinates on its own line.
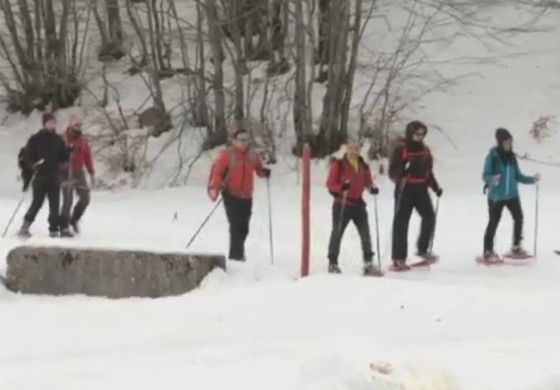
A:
(53, 233)
(491, 257)
(371, 270)
(517, 250)
(24, 230)
(75, 226)
(428, 257)
(66, 233)
(400, 265)
(334, 269)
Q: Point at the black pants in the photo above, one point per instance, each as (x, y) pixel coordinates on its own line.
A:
(238, 212)
(45, 187)
(341, 216)
(413, 196)
(495, 215)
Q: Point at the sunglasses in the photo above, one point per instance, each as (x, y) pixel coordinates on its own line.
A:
(419, 134)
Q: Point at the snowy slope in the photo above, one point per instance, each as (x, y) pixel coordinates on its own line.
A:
(257, 326)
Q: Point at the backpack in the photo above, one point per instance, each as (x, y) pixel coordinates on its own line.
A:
(252, 156)
(26, 172)
(340, 162)
(405, 155)
(495, 169)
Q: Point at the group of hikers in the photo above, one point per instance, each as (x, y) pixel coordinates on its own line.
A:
(411, 170)
(52, 163)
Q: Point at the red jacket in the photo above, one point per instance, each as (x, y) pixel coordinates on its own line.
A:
(360, 179)
(81, 155)
(235, 175)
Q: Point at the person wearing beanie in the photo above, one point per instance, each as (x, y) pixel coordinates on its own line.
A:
(44, 152)
(501, 175)
(74, 178)
(411, 169)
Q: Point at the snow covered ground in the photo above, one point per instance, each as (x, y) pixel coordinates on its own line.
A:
(260, 327)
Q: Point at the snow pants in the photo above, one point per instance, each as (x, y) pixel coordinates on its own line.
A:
(341, 217)
(238, 212)
(495, 210)
(45, 187)
(412, 196)
(78, 183)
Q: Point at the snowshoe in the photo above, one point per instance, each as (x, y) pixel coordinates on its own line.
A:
(426, 260)
(372, 270)
(399, 266)
(489, 258)
(334, 269)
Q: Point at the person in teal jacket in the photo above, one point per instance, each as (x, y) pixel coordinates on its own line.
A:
(501, 174)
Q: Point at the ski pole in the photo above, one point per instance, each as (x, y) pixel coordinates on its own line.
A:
(434, 228)
(22, 199)
(536, 219)
(377, 231)
(270, 236)
(204, 222)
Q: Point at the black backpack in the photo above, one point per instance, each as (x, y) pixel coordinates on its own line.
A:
(26, 172)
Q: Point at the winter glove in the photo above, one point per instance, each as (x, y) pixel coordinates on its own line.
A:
(266, 172)
(374, 190)
(537, 177)
(438, 192)
(345, 186)
(495, 180)
(213, 194)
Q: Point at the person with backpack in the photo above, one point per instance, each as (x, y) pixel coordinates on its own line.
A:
(232, 176)
(74, 178)
(45, 151)
(348, 178)
(501, 175)
(411, 169)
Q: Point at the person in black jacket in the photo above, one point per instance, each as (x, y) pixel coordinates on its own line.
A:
(44, 152)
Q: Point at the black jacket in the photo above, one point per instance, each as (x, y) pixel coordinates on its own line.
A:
(49, 147)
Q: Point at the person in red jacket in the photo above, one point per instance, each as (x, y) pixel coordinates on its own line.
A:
(232, 176)
(347, 180)
(74, 178)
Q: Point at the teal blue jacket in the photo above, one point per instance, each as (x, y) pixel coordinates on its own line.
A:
(510, 175)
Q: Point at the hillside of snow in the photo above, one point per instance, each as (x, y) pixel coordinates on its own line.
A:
(258, 325)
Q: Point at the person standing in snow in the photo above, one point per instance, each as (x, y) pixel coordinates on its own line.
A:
(232, 176)
(501, 174)
(45, 151)
(74, 178)
(411, 169)
(347, 180)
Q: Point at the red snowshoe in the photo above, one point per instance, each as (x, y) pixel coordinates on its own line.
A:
(489, 258)
(517, 253)
(399, 266)
(426, 260)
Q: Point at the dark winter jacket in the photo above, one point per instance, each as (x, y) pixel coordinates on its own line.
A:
(411, 162)
(49, 147)
(357, 173)
(505, 164)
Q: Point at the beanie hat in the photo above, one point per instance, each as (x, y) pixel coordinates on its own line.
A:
(47, 116)
(503, 135)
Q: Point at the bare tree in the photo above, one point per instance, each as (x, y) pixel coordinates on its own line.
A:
(44, 50)
(108, 19)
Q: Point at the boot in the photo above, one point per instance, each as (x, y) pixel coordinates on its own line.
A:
(66, 233)
(491, 257)
(53, 233)
(75, 226)
(400, 265)
(24, 230)
(517, 252)
(371, 270)
(334, 269)
(429, 258)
